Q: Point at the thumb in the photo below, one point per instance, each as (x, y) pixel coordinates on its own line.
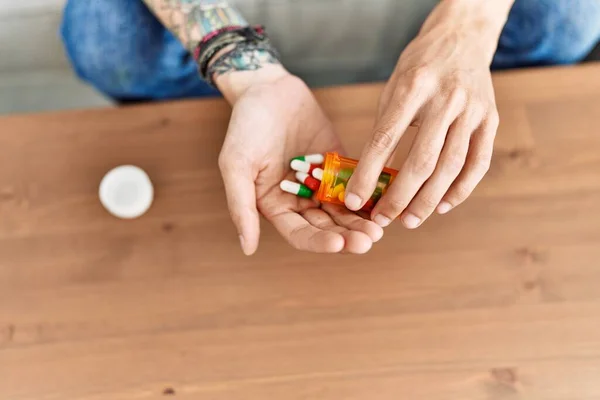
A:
(241, 200)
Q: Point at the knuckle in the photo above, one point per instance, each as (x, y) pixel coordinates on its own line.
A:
(397, 105)
(493, 119)
(424, 164)
(483, 163)
(424, 167)
(477, 110)
(427, 202)
(458, 97)
(393, 206)
(383, 139)
(423, 77)
(454, 163)
(462, 191)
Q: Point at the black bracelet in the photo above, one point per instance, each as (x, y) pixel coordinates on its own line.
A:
(213, 49)
(223, 38)
(257, 54)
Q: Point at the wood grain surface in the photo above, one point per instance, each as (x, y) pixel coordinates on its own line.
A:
(500, 299)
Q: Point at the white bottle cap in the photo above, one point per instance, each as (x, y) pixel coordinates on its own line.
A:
(126, 192)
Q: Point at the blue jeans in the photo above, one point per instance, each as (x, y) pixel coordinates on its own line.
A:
(125, 52)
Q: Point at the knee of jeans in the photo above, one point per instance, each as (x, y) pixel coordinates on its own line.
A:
(116, 77)
(550, 31)
(577, 32)
(117, 67)
(104, 51)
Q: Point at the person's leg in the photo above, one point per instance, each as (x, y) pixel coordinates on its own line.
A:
(547, 32)
(125, 52)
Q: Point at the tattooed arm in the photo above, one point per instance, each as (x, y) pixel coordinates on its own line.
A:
(191, 20)
(274, 118)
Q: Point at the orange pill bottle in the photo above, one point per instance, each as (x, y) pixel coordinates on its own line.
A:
(337, 170)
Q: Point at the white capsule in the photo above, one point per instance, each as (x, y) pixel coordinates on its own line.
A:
(314, 158)
(302, 166)
(295, 188)
(317, 174)
(290, 187)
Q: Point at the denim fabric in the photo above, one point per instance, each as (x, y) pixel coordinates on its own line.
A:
(125, 52)
(548, 32)
(119, 47)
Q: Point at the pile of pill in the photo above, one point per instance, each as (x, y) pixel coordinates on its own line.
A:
(309, 173)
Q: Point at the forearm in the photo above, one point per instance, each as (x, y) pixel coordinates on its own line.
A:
(476, 22)
(492, 15)
(191, 20)
(237, 68)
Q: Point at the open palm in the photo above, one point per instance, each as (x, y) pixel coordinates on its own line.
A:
(270, 124)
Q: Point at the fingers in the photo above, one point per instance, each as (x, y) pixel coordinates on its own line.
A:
(477, 164)
(419, 165)
(350, 220)
(450, 164)
(355, 242)
(304, 236)
(241, 200)
(388, 131)
(317, 231)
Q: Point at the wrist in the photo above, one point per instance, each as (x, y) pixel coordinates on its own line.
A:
(241, 68)
(233, 85)
(478, 22)
(489, 16)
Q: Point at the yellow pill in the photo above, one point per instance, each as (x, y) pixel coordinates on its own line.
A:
(341, 196)
(337, 190)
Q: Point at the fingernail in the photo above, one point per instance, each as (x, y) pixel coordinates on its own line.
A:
(353, 202)
(243, 244)
(444, 207)
(411, 221)
(382, 220)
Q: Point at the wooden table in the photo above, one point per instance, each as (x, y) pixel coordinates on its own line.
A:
(498, 300)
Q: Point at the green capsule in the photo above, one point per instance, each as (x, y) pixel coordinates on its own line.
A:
(296, 188)
(305, 192)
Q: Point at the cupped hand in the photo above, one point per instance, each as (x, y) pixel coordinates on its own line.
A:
(271, 123)
(442, 85)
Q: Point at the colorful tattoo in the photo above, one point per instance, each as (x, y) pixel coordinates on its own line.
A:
(243, 57)
(191, 20)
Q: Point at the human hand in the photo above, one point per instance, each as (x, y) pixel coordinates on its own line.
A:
(274, 119)
(442, 85)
